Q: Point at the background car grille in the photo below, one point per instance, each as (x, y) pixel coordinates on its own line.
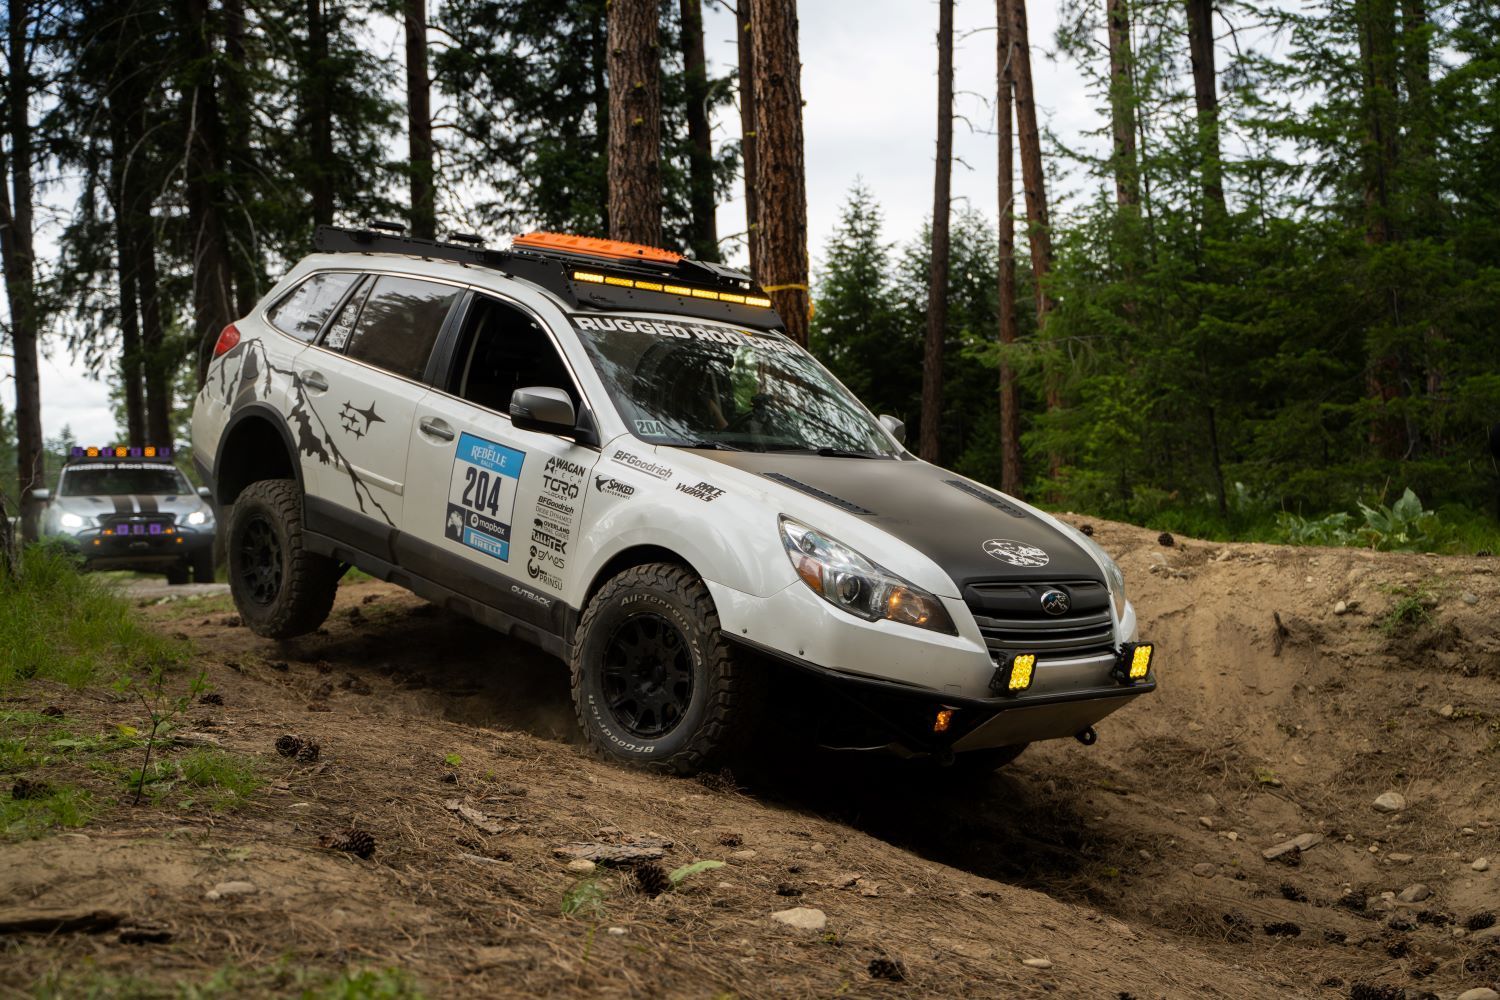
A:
(1011, 619)
(126, 524)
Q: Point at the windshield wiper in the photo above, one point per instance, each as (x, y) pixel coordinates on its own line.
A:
(841, 453)
(714, 446)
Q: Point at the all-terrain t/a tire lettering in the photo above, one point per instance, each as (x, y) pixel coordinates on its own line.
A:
(281, 589)
(654, 680)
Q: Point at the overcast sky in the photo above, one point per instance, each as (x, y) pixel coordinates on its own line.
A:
(869, 79)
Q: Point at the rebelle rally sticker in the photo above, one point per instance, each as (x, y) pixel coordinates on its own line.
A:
(482, 495)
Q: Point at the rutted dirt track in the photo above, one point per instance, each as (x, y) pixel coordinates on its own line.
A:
(1134, 867)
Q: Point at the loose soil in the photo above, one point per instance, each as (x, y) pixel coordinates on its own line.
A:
(1133, 867)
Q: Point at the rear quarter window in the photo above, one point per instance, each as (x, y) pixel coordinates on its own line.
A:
(302, 311)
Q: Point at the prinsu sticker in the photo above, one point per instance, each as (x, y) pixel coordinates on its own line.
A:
(1016, 553)
(482, 495)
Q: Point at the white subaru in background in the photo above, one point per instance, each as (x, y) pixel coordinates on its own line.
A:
(613, 452)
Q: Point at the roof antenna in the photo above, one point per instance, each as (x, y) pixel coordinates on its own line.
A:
(469, 238)
(389, 227)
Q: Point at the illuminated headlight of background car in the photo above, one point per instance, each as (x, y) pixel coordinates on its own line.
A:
(197, 517)
(70, 521)
(849, 581)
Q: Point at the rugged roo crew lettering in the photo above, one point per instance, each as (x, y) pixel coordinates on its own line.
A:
(482, 495)
(684, 331)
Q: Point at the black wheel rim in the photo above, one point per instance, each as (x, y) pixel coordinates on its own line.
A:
(648, 675)
(260, 561)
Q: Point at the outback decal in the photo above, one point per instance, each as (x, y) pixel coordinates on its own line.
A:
(612, 486)
(482, 495)
(1016, 553)
(695, 330)
(357, 421)
(314, 439)
(640, 464)
(531, 595)
(702, 491)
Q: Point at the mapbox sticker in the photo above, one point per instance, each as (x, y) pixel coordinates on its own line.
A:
(482, 495)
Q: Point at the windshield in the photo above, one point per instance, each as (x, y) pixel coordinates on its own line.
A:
(699, 385)
(121, 479)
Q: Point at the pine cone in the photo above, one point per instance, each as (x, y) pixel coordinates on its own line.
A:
(309, 753)
(289, 746)
(52, 712)
(731, 839)
(323, 691)
(360, 843)
(1166, 540)
(885, 968)
(651, 879)
(1087, 529)
(24, 788)
(211, 698)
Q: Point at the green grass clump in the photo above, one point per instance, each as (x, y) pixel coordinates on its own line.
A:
(216, 778)
(66, 807)
(1409, 613)
(62, 625)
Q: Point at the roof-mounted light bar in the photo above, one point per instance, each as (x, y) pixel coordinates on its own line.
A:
(120, 451)
(595, 278)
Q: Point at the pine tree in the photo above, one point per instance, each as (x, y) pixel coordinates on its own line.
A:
(937, 285)
(635, 190)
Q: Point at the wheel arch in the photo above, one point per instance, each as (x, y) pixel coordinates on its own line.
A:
(629, 558)
(256, 445)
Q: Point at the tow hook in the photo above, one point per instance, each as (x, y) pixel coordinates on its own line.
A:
(1088, 737)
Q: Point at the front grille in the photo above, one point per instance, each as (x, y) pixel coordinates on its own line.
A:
(1011, 618)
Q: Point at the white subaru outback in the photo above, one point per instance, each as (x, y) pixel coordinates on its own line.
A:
(613, 452)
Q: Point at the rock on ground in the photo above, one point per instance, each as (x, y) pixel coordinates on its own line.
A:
(1389, 802)
(803, 918)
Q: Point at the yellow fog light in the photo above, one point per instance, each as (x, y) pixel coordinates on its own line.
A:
(1021, 669)
(943, 720)
(1140, 661)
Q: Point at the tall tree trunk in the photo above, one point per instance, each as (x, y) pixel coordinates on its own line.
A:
(634, 123)
(1200, 18)
(744, 37)
(780, 172)
(704, 237)
(599, 53)
(1122, 104)
(1033, 179)
(419, 121)
(1010, 417)
(319, 115)
(128, 266)
(16, 248)
(213, 285)
(1378, 63)
(243, 256)
(1420, 126)
(930, 446)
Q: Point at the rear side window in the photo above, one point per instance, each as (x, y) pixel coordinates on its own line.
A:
(302, 311)
(399, 324)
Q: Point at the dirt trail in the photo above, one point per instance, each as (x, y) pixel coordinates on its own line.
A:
(1134, 867)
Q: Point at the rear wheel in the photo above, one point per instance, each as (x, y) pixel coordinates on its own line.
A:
(281, 589)
(654, 680)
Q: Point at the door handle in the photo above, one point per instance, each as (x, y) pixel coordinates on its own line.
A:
(433, 427)
(314, 380)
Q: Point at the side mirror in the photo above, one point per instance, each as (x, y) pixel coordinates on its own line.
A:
(42, 495)
(896, 428)
(205, 493)
(538, 408)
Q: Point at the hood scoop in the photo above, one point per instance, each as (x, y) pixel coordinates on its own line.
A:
(998, 502)
(813, 491)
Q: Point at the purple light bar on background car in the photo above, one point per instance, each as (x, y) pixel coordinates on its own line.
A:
(121, 451)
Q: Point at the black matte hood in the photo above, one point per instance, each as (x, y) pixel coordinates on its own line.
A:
(973, 533)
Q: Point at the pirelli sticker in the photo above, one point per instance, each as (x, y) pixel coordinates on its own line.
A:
(482, 495)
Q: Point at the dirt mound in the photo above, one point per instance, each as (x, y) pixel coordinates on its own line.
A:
(1297, 686)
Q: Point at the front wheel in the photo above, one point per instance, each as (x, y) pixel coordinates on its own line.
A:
(281, 589)
(654, 680)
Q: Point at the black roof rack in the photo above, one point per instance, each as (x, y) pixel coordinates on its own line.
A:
(610, 283)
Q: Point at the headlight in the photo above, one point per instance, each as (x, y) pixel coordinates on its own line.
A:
(71, 521)
(849, 581)
(197, 517)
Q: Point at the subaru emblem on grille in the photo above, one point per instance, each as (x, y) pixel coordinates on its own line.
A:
(1055, 602)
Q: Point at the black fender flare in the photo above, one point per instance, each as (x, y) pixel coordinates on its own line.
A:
(256, 411)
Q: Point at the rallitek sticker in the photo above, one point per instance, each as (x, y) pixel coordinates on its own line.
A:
(482, 495)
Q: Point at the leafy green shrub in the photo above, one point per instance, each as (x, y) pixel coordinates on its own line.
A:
(1404, 526)
(63, 625)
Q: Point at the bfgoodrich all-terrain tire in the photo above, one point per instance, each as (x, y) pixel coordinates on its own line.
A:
(654, 681)
(281, 589)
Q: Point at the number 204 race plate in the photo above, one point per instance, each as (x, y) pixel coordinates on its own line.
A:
(482, 495)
